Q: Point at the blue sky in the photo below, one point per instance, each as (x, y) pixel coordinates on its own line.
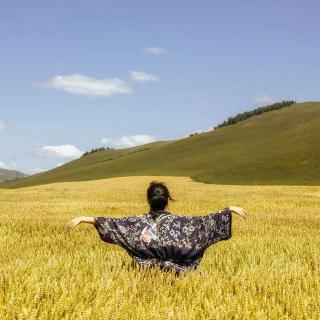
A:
(82, 74)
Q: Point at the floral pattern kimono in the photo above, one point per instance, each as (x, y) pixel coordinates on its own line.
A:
(164, 239)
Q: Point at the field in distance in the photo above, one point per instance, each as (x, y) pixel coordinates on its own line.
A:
(269, 269)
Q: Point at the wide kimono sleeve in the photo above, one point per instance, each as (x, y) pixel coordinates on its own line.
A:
(112, 230)
(218, 226)
(121, 231)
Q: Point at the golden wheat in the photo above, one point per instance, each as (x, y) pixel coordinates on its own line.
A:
(269, 269)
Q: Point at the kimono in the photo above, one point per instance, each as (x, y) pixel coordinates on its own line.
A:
(167, 240)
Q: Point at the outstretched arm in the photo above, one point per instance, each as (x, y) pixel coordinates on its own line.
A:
(218, 225)
(106, 227)
(75, 221)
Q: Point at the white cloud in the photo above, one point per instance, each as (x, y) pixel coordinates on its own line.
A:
(59, 164)
(106, 141)
(37, 170)
(263, 99)
(128, 141)
(195, 132)
(204, 130)
(11, 166)
(2, 125)
(142, 76)
(84, 85)
(135, 140)
(155, 50)
(62, 151)
(3, 165)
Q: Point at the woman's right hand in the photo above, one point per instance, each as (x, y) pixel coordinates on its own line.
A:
(240, 211)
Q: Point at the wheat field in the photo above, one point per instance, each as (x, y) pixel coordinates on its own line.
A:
(269, 269)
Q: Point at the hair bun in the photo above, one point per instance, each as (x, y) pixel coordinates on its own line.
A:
(158, 195)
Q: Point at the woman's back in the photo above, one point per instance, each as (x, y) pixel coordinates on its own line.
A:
(165, 239)
(160, 238)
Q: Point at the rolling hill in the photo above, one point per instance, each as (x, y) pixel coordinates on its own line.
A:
(6, 175)
(277, 147)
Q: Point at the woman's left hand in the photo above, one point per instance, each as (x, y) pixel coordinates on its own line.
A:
(240, 211)
(73, 223)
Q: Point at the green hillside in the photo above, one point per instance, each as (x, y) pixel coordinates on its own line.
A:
(277, 147)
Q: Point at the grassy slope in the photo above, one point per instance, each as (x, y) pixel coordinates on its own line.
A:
(278, 147)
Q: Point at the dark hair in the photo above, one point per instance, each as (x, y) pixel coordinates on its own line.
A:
(158, 195)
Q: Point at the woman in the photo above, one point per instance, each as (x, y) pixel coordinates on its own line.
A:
(163, 239)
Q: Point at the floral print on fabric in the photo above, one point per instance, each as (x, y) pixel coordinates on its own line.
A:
(147, 234)
(164, 239)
